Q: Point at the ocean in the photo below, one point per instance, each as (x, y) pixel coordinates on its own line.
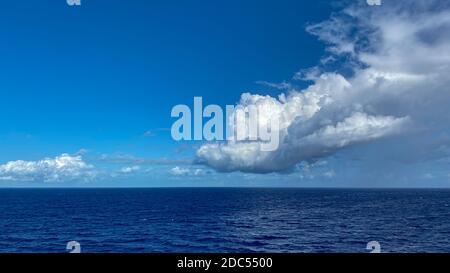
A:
(203, 220)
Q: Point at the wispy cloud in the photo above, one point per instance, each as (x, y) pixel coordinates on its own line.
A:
(155, 132)
(135, 160)
(281, 86)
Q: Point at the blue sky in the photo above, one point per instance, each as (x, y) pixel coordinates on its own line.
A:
(97, 82)
(100, 75)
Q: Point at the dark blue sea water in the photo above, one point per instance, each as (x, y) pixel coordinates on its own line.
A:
(224, 220)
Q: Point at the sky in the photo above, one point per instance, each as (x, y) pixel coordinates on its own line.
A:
(361, 92)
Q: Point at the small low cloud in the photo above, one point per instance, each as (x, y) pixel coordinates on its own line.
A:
(130, 169)
(184, 171)
(329, 174)
(178, 171)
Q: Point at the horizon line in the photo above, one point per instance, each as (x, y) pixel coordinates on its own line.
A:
(237, 187)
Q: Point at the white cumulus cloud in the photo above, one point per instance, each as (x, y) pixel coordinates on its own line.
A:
(399, 58)
(59, 169)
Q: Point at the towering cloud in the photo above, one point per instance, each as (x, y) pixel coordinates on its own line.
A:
(398, 55)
